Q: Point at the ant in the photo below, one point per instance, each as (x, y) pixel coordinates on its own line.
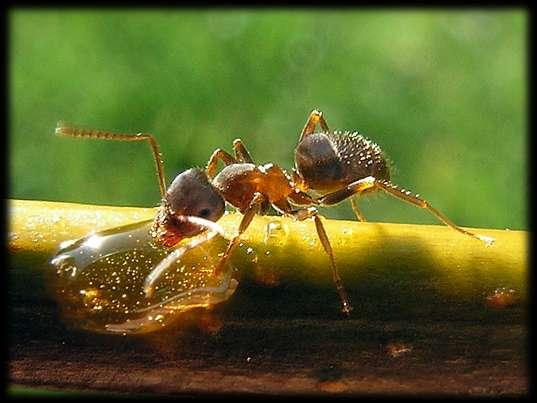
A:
(334, 164)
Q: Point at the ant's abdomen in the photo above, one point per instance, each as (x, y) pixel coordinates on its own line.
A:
(359, 156)
(329, 161)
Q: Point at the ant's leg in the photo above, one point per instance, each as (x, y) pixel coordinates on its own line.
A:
(309, 212)
(371, 183)
(301, 198)
(356, 209)
(106, 135)
(314, 118)
(405, 195)
(346, 306)
(174, 256)
(249, 214)
(218, 154)
(241, 153)
(348, 191)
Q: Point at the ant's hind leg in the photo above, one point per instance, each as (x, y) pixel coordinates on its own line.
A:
(251, 211)
(371, 183)
(405, 195)
(241, 153)
(218, 154)
(316, 117)
(356, 209)
(355, 188)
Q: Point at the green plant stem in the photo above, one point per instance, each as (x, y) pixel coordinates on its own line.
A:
(393, 262)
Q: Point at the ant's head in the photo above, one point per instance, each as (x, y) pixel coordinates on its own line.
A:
(190, 194)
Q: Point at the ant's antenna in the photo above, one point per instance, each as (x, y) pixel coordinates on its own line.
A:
(63, 130)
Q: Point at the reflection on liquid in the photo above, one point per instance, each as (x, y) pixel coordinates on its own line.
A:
(99, 281)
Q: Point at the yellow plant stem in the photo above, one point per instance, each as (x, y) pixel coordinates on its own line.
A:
(396, 260)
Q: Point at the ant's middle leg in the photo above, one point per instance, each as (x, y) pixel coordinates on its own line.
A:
(218, 154)
(251, 211)
(316, 117)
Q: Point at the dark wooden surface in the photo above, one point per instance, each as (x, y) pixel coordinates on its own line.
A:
(260, 343)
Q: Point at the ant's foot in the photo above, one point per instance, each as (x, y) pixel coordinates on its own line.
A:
(489, 241)
(346, 309)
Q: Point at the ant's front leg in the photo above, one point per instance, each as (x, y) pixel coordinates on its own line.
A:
(255, 206)
(176, 254)
(241, 153)
(316, 117)
(218, 154)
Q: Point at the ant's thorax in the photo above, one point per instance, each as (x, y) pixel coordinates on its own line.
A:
(238, 183)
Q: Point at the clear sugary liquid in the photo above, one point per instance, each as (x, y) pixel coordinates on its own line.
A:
(99, 281)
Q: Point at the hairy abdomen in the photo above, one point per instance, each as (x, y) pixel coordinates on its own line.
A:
(330, 161)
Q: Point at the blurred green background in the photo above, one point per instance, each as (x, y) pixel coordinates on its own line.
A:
(443, 92)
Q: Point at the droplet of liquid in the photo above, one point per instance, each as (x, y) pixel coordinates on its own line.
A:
(276, 232)
(502, 298)
(250, 251)
(99, 281)
(397, 349)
